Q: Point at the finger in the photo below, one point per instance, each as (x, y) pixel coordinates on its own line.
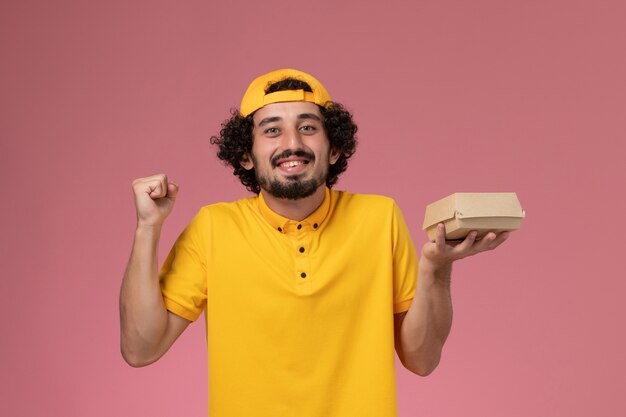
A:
(484, 242)
(157, 186)
(163, 181)
(440, 237)
(147, 186)
(467, 243)
(501, 237)
(172, 190)
(155, 190)
(491, 241)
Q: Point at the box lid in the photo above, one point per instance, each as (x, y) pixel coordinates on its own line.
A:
(472, 205)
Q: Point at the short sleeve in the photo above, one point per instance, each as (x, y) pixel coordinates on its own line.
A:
(183, 275)
(405, 263)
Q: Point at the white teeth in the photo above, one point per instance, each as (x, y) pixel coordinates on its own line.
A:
(291, 164)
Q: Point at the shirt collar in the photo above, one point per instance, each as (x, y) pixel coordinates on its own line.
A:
(280, 223)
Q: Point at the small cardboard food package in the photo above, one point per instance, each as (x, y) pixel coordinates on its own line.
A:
(463, 212)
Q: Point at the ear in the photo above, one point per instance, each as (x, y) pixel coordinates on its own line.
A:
(246, 162)
(334, 156)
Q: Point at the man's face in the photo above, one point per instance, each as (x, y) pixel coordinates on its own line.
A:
(290, 150)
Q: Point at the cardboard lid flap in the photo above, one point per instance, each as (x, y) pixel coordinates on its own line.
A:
(439, 211)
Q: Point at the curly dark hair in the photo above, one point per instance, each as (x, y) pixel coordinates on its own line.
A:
(235, 137)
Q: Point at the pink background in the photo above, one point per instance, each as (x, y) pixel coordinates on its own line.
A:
(524, 96)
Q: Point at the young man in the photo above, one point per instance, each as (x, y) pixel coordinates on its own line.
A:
(306, 290)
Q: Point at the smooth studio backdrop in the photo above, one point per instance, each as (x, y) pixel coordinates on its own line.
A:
(524, 96)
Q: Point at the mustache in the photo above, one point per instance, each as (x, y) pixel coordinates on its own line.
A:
(286, 154)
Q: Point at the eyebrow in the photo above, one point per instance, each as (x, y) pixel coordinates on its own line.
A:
(309, 116)
(269, 120)
(303, 116)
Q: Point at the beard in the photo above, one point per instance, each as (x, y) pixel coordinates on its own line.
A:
(292, 188)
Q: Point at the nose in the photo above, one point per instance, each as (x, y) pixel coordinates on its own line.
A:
(293, 139)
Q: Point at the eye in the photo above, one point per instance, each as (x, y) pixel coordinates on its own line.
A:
(308, 128)
(271, 131)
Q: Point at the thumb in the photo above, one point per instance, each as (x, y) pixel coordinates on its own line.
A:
(172, 190)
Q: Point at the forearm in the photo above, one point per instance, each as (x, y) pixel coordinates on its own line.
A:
(143, 316)
(427, 324)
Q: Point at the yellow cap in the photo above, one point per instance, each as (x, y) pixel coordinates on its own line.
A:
(255, 96)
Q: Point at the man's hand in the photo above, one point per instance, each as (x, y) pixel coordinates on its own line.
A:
(154, 199)
(441, 253)
(421, 334)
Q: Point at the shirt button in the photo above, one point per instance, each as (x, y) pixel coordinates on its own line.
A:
(314, 225)
(301, 249)
(299, 226)
(303, 275)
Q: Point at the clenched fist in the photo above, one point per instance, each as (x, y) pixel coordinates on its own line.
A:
(154, 199)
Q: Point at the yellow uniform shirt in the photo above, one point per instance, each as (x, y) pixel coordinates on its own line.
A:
(299, 315)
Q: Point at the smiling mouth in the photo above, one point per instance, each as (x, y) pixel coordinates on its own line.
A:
(292, 159)
(291, 164)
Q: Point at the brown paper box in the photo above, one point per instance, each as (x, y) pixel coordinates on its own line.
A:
(463, 212)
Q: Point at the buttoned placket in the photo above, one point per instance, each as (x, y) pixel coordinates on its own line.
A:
(300, 234)
(302, 237)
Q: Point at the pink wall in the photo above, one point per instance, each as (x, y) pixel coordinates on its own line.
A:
(449, 95)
